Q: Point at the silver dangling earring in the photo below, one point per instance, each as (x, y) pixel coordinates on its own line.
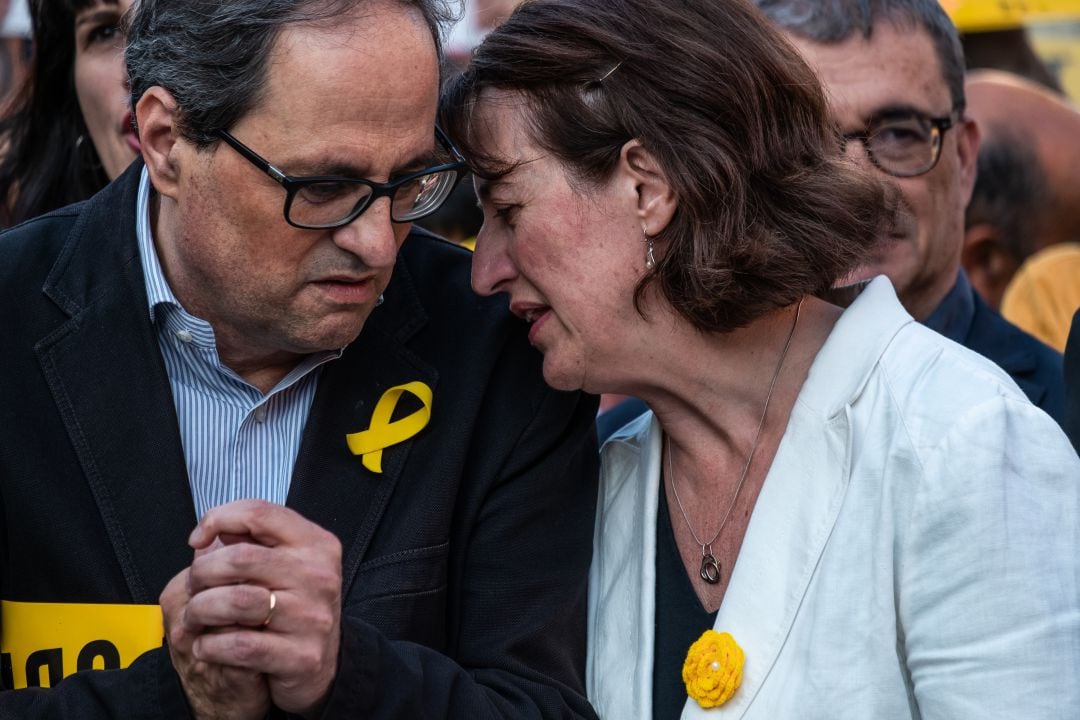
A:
(650, 260)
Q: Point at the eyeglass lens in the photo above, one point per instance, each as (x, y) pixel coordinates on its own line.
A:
(904, 146)
(325, 204)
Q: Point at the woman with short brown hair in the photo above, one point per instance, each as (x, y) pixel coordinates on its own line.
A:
(859, 511)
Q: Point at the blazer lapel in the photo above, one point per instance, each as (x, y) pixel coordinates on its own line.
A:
(790, 526)
(107, 377)
(330, 485)
(800, 501)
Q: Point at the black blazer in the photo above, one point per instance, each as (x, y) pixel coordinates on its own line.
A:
(1035, 367)
(1072, 383)
(464, 564)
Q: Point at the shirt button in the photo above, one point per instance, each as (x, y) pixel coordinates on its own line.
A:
(260, 414)
(184, 336)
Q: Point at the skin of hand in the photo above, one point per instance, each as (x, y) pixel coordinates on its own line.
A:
(214, 692)
(267, 548)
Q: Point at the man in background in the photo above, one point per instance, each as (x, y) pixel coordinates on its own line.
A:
(894, 75)
(1022, 231)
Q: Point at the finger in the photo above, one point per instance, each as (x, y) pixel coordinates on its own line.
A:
(267, 523)
(175, 594)
(246, 605)
(243, 563)
(271, 653)
(173, 601)
(217, 543)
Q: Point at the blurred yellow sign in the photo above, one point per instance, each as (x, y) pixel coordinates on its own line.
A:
(41, 643)
(983, 15)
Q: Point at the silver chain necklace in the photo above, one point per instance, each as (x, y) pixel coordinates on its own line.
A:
(710, 566)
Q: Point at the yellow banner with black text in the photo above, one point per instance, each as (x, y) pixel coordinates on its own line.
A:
(42, 643)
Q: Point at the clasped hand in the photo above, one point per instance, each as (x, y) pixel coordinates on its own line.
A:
(235, 655)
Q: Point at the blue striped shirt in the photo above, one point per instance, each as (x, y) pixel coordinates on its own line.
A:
(238, 443)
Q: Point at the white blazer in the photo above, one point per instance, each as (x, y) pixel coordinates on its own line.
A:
(913, 553)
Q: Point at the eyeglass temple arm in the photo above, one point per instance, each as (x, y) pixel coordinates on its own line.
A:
(278, 176)
(445, 140)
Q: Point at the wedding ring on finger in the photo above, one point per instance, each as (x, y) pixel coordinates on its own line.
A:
(270, 612)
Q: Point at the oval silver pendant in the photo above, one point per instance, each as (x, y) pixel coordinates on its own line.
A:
(710, 569)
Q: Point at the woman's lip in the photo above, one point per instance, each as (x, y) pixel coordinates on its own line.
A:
(132, 139)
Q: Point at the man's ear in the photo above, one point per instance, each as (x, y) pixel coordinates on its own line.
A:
(988, 264)
(968, 138)
(156, 114)
(656, 200)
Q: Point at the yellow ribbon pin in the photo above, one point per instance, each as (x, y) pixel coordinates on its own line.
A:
(382, 433)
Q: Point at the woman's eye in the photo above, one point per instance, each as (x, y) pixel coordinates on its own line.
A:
(103, 34)
(107, 33)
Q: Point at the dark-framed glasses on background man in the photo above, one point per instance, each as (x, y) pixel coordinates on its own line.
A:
(903, 143)
(329, 201)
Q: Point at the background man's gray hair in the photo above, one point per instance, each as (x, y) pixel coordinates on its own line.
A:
(212, 54)
(833, 21)
(1010, 191)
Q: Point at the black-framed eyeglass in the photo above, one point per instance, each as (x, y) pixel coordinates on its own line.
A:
(329, 201)
(903, 144)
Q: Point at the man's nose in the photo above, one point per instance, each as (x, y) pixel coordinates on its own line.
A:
(372, 237)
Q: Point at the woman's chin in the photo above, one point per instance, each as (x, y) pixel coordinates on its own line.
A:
(561, 377)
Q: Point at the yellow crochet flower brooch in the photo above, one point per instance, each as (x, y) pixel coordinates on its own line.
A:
(713, 669)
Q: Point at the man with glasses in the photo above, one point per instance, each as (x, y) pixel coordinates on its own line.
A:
(238, 385)
(894, 73)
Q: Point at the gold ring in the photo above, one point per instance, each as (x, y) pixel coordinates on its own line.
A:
(270, 613)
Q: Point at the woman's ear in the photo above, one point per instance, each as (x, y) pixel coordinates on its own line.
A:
(156, 118)
(656, 201)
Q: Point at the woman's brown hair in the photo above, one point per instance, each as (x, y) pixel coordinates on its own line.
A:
(768, 210)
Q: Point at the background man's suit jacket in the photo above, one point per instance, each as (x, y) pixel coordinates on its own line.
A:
(465, 562)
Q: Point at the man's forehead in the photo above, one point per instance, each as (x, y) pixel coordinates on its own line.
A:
(341, 94)
(892, 69)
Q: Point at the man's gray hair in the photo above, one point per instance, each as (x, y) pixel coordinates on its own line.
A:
(212, 54)
(833, 21)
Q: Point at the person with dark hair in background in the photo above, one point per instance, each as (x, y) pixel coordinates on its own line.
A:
(894, 74)
(69, 131)
(866, 519)
(1022, 241)
(242, 335)
(1002, 217)
(1027, 195)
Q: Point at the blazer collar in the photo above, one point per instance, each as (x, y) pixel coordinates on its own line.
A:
(330, 485)
(856, 343)
(104, 363)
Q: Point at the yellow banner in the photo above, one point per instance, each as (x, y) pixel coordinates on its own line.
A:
(983, 15)
(42, 643)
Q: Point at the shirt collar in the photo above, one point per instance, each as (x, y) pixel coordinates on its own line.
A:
(158, 291)
(954, 315)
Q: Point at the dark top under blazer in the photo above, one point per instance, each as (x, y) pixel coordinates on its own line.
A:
(464, 564)
(1035, 367)
(1072, 383)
